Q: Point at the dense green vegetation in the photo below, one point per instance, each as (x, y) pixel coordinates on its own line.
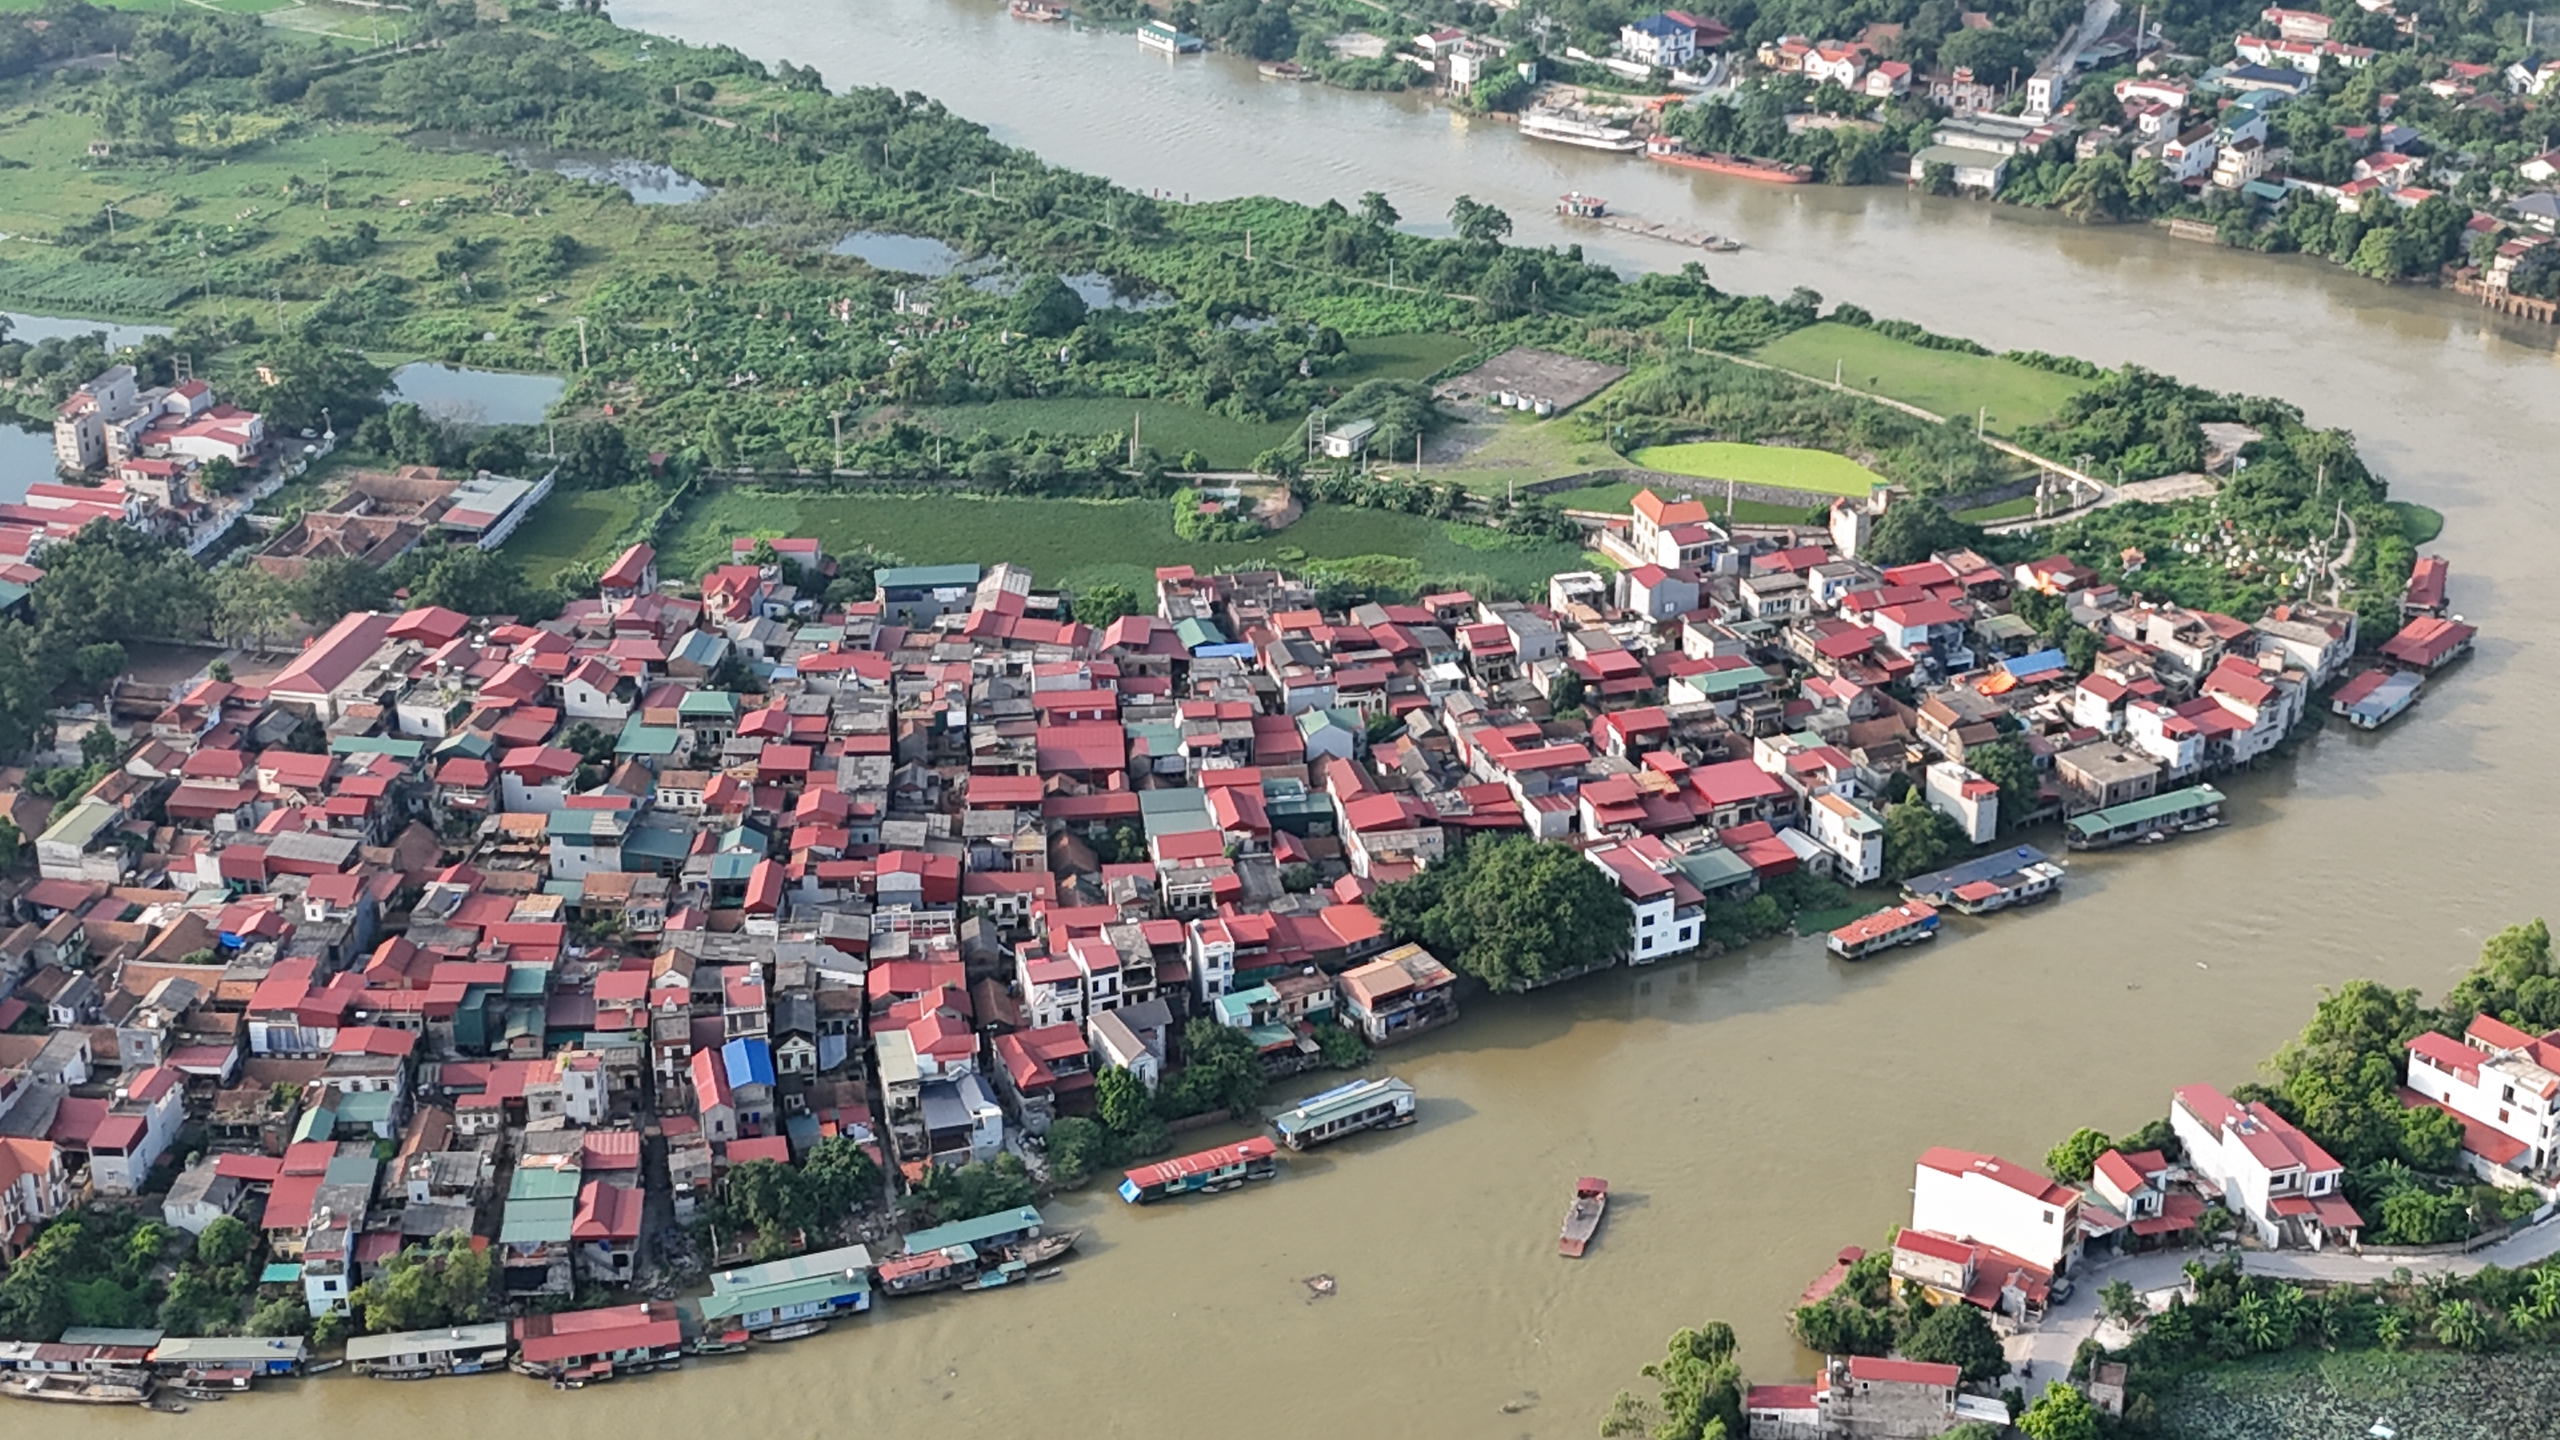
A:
(1511, 912)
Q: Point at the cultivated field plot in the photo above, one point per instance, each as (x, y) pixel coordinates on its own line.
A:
(1943, 382)
(1168, 427)
(1562, 380)
(1785, 466)
(1077, 543)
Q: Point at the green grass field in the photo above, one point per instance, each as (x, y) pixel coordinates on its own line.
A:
(1941, 381)
(1749, 512)
(575, 527)
(1170, 427)
(1793, 468)
(1085, 542)
(2024, 505)
(2418, 524)
(1399, 357)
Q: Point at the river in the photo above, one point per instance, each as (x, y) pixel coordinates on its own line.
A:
(1753, 1112)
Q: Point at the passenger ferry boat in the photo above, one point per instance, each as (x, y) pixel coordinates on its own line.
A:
(1904, 924)
(1590, 135)
(1343, 1110)
(1207, 1172)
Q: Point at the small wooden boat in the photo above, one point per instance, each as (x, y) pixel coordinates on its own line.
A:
(1284, 70)
(1042, 1249)
(1582, 1220)
(323, 1367)
(797, 1330)
(1036, 10)
(727, 1343)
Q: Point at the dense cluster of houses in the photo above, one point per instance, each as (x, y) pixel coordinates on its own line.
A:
(423, 932)
(146, 447)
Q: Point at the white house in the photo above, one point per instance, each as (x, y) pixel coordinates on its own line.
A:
(1665, 903)
(2499, 1080)
(2271, 1174)
(1658, 40)
(1972, 801)
(2165, 735)
(138, 1130)
(1851, 832)
(1996, 1202)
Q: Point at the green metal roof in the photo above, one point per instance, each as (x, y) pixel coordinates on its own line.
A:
(1713, 683)
(280, 1272)
(1714, 869)
(639, 739)
(543, 1182)
(973, 1232)
(539, 1222)
(816, 1290)
(707, 704)
(2148, 808)
(925, 577)
(392, 745)
(656, 842)
(1196, 632)
(830, 1265)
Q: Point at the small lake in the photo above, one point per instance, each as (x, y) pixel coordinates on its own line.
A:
(905, 254)
(32, 328)
(26, 458)
(1093, 289)
(645, 181)
(459, 395)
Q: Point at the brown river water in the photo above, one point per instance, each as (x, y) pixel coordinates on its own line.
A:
(1754, 1112)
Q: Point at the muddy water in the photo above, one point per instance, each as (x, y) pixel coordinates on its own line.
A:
(1755, 1112)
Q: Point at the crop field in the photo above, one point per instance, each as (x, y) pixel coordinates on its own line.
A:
(1618, 497)
(2018, 509)
(1789, 467)
(1077, 543)
(2303, 1395)
(1399, 357)
(1169, 427)
(1943, 382)
(577, 527)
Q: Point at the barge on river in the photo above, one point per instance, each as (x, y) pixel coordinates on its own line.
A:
(2197, 807)
(84, 1387)
(1582, 1218)
(1205, 1173)
(425, 1354)
(1906, 924)
(1380, 1104)
(2019, 875)
(1670, 151)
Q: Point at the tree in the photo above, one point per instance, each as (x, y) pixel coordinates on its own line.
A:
(1477, 223)
(1100, 605)
(1375, 208)
(316, 379)
(979, 1188)
(1958, 1335)
(2118, 1302)
(227, 1241)
(1121, 1101)
(473, 581)
(95, 665)
(594, 455)
(339, 585)
(2095, 191)
(1701, 1385)
(1048, 308)
(1840, 1327)
(1913, 529)
(1221, 1070)
(2007, 764)
(841, 1177)
(2061, 1413)
(1513, 911)
(250, 606)
(1917, 835)
(112, 582)
(1077, 1147)
(2076, 1159)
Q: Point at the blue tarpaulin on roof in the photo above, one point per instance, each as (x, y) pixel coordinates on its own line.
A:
(749, 1062)
(2042, 662)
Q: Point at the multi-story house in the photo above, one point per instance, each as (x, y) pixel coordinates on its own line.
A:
(2272, 1176)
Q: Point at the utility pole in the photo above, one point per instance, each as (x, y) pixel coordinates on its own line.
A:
(582, 342)
(838, 417)
(1693, 334)
(111, 220)
(1248, 247)
(1981, 418)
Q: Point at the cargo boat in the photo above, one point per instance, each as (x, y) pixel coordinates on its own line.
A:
(1582, 1221)
(1204, 1173)
(1742, 167)
(1906, 924)
(969, 1267)
(1381, 1104)
(83, 1389)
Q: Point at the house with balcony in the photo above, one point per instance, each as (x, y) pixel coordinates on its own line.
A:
(2503, 1084)
(2273, 1177)
(1397, 996)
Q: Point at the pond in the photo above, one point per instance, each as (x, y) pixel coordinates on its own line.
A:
(646, 181)
(459, 395)
(905, 254)
(32, 328)
(1096, 290)
(26, 458)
